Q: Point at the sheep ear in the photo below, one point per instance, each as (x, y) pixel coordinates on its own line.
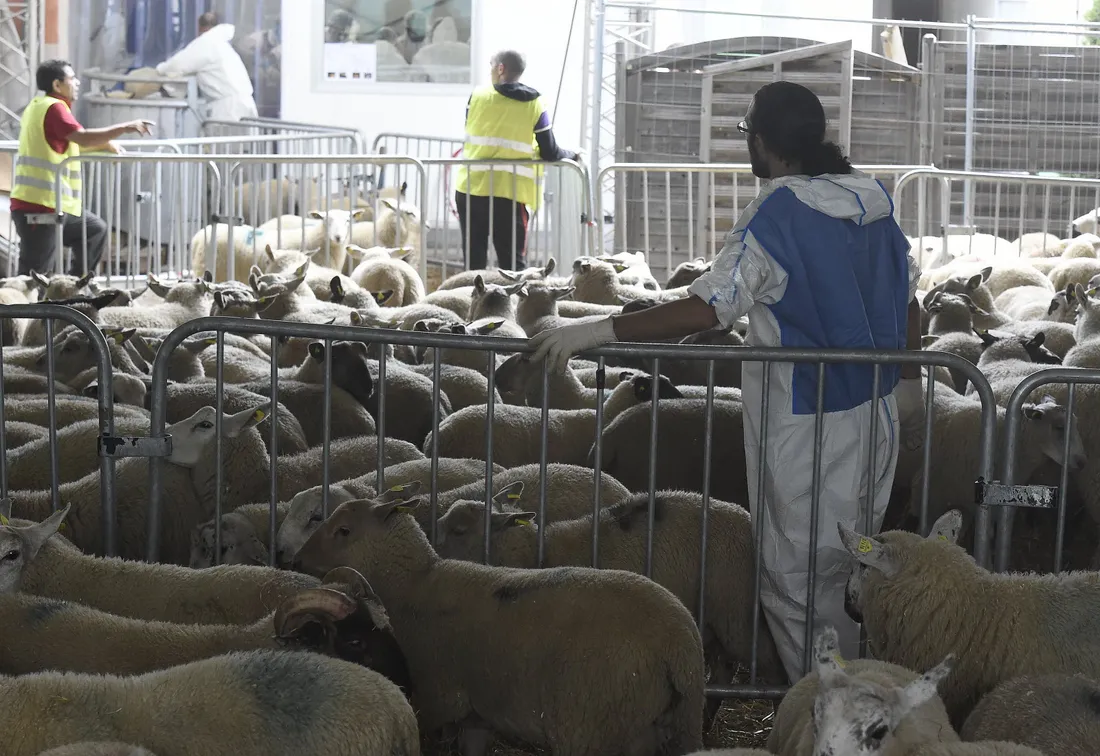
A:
(400, 253)
(868, 551)
(927, 341)
(391, 204)
(235, 425)
(508, 275)
(219, 300)
(5, 510)
(123, 335)
(489, 327)
(404, 187)
(36, 535)
(1037, 340)
(504, 520)
(421, 325)
(317, 350)
(158, 288)
(85, 279)
(948, 527)
(403, 492)
(643, 387)
(514, 288)
(381, 297)
(356, 318)
(208, 276)
(354, 250)
(547, 269)
(1054, 304)
(300, 272)
(262, 303)
(562, 293)
(619, 267)
(359, 213)
(523, 292)
(39, 279)
(479, 284)
(316, 215)
(828, 662)
(337, 288)
(270, 253)
(924, 688)
(383, 509)
(987, 338)
(509, 494)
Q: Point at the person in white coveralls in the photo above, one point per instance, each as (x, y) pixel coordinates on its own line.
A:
(218, 70)
(816, 261)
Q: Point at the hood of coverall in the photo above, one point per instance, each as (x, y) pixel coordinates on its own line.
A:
(222, 32)
(855, 196)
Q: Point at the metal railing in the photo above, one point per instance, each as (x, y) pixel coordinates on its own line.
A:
(826, 361)
(246, 127)
(104, 372)
(710, 196)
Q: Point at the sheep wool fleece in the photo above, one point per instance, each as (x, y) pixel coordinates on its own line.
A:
(815, 263)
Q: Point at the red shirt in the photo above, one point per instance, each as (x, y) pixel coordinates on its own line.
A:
(59, 124)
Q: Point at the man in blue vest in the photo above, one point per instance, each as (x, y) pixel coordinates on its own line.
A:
(816, 261)
(505, 120)
(49, 134)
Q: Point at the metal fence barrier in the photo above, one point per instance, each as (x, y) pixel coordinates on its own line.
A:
(491, 346)
(280, 128)
(104, 372)
(1037, 496)
(1005, 208)
(677, 211)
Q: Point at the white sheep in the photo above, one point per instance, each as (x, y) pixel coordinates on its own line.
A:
(389, 272)
(498, 276)
(1052, 713)
(901, 709)
(1084, 245)
(644, 679)
(397, 225)
(213, 240)
(1086, 353)
(330, 235)
(240, 543)
(1087, 223)
(920, 599)
(1037, 303)
(456, 300)
(1078, 270)
(597, 282)
(1038, 244)
(222, 706)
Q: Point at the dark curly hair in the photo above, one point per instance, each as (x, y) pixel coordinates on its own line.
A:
(791, 121)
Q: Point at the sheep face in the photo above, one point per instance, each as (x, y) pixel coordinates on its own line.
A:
(492, 299)
(461, 532)
(60, 286)
(1053, 417)
(854, 717)
(350, 369)
(304, 517)
(337, 224)
(875, 557)
(687, 272)
(20, 545)
(359, 533)
(74, 354)
(235, 303)
(241, 543)
(194, 437)
(126, 389)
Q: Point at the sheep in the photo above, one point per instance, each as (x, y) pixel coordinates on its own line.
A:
(1082, 246)
(16, 435)
(183, 302)
(398, 225)
(492, 300)
(623, 534)
(456, 300)
(349, 418)
(22, 381)
(516, 434)
(403, 318)
(125, 389)
(99, 748)
(29, 408)
(1038, 244)
(11, 329)
(21, 544)
(77, 452)
(1074, 271)
(187, 479)
(184, 399)
(231, 595)
(1036, 303)
(680, 424)
(921, 578)
(645, 680)
(631, 269)
(537, 310)
(34, 331)
(596, 282)
(318, 282)
(330, 235)
(474, 359)
(240, 543)
(57, 286)
(390, 273)
(1086, 353)
(461, 386)
(331, 708)
(1051, 713)
(569, 308)
(518, 376)
(950, 313)
(687, 271)
(1007, 359)
(499, 276)
(246, 243)
(911, 713)
(955, 466)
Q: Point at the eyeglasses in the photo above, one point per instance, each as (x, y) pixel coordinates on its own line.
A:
(743, 127)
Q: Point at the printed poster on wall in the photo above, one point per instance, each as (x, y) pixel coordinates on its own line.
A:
(349, 61)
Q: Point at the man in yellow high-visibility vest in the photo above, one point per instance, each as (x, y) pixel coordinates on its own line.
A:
(48, 135)
(505, 120)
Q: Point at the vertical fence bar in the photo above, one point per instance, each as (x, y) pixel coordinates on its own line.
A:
(815, 515)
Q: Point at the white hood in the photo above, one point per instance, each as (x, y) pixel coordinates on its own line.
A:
(222, 32)
(854, 196)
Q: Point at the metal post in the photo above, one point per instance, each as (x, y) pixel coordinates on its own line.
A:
(968, 154)
(597, 94)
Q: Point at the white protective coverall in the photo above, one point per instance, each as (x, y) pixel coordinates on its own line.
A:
(815, 263)
(219, 72)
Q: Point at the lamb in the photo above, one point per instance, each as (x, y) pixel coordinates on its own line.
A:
(955, 466)
(99, 748)
(498, 276)
(1038, 244)
(950, 313)
(1074, 271)
(334, 708)
(240, 543)
(1036, 303)
(1086, 354)
(34, 331)
(596, 282)
(934, 583)
(838, 691)
(1051, 713)
(517, 434)
(462, 386)
(686, 272)
(57, 286)
(537, 310)
(68, 409)
(184, 399)
(187, 480)
(77, 452)
(474, 359)
(646, 680)
(330, 235)
(183, 302)
(631, 269)
(456, 300)
(246, 242)
(125, 389)
(493, 301)
(389, 273)
(623, 533)
(680, 425)
(231, 595)
(17, 435)
(520, 378)
(1008, 359)
(1084, 245)
(349, 418)
(318, 277)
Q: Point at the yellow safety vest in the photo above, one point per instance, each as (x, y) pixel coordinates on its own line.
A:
(500, 128)
(36, 164)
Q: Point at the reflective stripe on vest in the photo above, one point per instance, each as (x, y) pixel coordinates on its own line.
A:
(36, 165)
(499, 128)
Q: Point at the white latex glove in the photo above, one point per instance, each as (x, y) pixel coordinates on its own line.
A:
(910, 398)
(557, 345)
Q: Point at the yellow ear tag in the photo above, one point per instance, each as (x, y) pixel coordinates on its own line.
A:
(401, 487)
(402, 508)
(513, 496)
(3, 520)
(523, 522)
(259, 415)
(118, 337)
(839, 661)
(211, 341)
(864, 546)
(62, 526)
(943, 538)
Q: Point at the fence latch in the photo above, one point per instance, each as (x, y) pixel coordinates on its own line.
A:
(134, 446)
(143, 197)
(1002, 495)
